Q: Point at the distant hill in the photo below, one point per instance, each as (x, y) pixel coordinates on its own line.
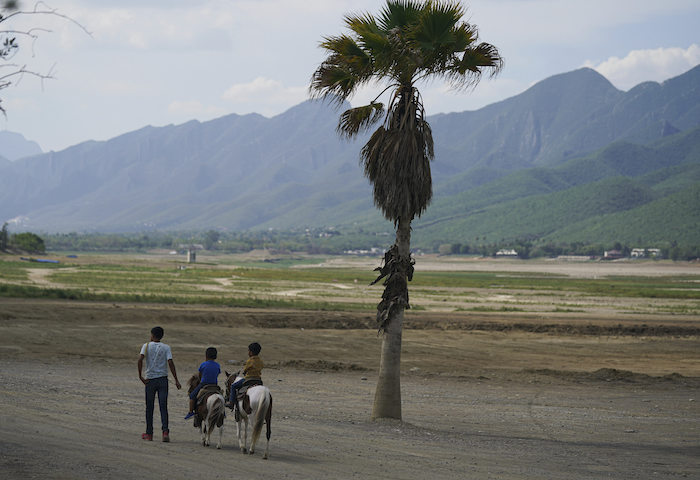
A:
(569, 151)
(623, 192)
(234, 172)
(674, 218)
(564, 117)
(14, 146)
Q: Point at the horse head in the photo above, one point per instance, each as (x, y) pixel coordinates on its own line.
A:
(192, 383)
(231, 378)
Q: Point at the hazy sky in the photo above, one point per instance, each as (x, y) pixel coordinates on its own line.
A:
(159, 62)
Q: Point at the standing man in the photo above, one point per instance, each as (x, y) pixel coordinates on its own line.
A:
(158, 358)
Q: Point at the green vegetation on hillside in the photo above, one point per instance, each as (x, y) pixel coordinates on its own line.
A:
(644, 196)
(675, 217)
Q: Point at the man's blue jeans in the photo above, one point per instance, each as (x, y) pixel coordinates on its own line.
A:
(160, 386)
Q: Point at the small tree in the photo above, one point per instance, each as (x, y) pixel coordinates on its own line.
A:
(4, 237)
(28, 242)
(211, 237)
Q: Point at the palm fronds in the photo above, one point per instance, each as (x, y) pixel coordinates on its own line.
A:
(346, 68)
(354, 120)
(396, 159)
(408, 41)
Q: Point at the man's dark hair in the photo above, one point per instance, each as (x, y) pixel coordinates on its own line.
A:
(211, 353)
(157, 332)
(255, 348)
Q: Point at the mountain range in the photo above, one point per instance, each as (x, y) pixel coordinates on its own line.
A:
(570, 158)
(14, 146)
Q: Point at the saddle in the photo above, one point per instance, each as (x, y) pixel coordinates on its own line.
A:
(242, 396)
(205, 392)
(251, 382)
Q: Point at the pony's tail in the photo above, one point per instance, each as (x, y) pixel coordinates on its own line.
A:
(218, 411)
(268, 419)
(260, 416)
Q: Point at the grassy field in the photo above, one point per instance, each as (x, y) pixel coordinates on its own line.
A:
(441, 284)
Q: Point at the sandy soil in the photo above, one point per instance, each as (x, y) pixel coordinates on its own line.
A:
(483, 397)
(579, 269)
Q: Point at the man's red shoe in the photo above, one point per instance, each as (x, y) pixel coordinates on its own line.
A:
(147, 436)
(166, 436)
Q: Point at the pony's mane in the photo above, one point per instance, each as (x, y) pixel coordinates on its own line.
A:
(193, 382)
(230, 378)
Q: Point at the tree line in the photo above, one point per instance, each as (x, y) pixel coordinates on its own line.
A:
(20, 242)
(534, 249)
(310, 241)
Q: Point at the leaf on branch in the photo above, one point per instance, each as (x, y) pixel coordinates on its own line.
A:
(354, 120)
(480, 57)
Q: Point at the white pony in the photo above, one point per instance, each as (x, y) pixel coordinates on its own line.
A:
(261, 412)
(212, 414)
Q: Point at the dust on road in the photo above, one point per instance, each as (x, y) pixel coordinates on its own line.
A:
(477, 403)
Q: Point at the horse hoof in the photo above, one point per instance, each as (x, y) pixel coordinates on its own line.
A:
(265, 457)
(218, 447)
(243, 450)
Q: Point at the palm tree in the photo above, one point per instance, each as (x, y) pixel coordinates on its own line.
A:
(407, 42)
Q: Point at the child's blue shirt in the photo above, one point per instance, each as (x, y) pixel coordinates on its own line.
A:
(210, 371)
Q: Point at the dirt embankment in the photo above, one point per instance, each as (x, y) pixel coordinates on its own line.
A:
(584, 325)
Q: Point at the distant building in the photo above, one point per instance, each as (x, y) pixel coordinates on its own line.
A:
(612, 255)
(372, 251)
(575, 258)
(191, 251)
(506, 253)
(645, 252)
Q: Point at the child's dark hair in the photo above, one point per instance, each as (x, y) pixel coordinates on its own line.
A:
(255, 348)
(157, 332)
(211, 353)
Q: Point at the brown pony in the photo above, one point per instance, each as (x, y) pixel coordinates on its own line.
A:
(210, 411)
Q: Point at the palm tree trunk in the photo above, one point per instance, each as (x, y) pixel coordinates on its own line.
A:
(387, 397)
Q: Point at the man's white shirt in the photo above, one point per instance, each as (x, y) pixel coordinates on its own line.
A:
(156, 357)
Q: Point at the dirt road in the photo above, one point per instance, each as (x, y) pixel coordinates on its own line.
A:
(477, 404)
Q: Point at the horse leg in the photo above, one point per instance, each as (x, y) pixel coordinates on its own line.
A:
(238, 434)
(221, 435)
(243, 436)
(203, 416)
(245, 432)
(209, 427)
(255, 434)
